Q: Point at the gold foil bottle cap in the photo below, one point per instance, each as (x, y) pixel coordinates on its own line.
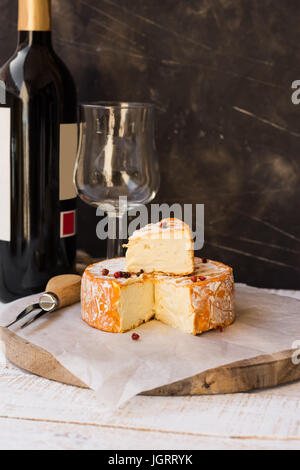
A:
(34, 15)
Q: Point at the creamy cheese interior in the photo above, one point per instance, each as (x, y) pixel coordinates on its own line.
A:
(174, 256)
(136, 304)
(173, 306)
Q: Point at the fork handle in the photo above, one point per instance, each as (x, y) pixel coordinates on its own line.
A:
(66, 288)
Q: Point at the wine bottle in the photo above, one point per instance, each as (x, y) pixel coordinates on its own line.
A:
(38, 141)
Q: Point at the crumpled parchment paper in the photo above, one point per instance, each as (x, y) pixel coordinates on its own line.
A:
(118, 368)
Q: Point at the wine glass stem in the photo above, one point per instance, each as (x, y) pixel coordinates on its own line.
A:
(115, 240)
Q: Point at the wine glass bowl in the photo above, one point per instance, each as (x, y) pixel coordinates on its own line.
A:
(117, 156)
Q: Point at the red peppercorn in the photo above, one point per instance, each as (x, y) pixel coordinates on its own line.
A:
(194, 278)
(202, 278)
(220, 329)
(118, 274)
(125, 275)
(105, 272)
(135, 337)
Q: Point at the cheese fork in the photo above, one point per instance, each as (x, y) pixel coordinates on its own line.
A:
(61, 291)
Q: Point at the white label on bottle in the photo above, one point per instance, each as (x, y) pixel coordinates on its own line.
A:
(68, 150)
(5, 175)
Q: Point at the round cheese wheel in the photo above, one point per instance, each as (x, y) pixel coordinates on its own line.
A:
(195, 303)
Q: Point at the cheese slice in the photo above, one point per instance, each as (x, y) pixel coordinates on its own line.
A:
(194, 306)
(198, 305)
(165, 247)
(115, 305)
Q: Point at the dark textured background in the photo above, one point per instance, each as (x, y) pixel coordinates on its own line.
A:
(220, 73)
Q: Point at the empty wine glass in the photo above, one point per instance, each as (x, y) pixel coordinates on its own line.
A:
(116, 158)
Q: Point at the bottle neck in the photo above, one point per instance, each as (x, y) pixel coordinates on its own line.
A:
(31, 38)
(34, 20)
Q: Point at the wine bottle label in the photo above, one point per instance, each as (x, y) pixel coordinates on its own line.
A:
(67, 224)
(68, 150)
(34, 15)
(5, 175)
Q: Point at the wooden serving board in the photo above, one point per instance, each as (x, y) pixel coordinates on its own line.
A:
(256, 373)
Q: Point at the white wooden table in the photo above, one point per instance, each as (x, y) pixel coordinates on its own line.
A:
(38, 414)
